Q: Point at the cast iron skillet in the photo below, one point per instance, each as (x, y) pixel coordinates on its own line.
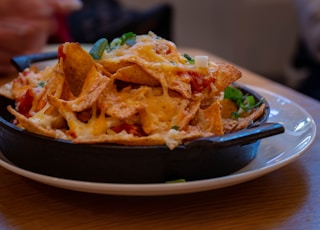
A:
(109, 163)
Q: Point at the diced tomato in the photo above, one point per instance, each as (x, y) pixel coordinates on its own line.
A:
(61, 54)
(131, 129)
(71, 133)
(24, 103)
(25, 72)
(198, 82)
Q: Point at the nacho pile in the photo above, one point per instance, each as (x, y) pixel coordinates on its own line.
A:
(136, 90)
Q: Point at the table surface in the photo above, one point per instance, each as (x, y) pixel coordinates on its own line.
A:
(288, 198)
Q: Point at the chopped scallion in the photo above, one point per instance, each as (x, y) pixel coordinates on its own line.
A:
(115, 43)
(176, 181)
(126, 38)
(41, 84)
(98, 48)
(129, 38)
(244, 102)
(189, 58)
(175, 127)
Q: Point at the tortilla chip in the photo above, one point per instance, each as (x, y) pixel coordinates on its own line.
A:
(112, 65)
(94, 84)
(123, 139)
(209, 119)
(229, 125)
(166, 74)
(76, 63)
(34, 127)
(226, 74)
(185, 115)
(134, 74)
(123, 104)
(54, 87)
(245, 121)
(232, 125)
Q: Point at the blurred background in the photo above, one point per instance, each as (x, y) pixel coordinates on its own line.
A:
(258, 35)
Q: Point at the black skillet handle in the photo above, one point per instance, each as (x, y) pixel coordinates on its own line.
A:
(242, 137)
(23, 62)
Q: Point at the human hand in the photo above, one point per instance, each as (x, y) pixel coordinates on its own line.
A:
(26, 25)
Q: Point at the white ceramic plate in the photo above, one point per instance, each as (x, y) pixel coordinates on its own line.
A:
(274, 153)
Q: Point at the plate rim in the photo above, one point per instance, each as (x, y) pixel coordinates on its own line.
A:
(172, 188)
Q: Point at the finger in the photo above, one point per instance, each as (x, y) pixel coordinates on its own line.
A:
(31, 8)
(31, 35)
(11, 35)
(5, 70)
(65, 6)
(37, 8)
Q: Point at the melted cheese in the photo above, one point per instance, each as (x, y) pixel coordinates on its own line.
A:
(43, 119)
(170, 101)
(94, 127)
(160, 111)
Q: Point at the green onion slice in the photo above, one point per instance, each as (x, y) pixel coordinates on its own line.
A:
(244, 102)
(129, 38)
(175, 127)
(176, 181)
(189, 58)
(126, 38)
(98, 48)
(115, 43)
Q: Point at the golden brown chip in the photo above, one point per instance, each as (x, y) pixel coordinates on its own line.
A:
(157, 59)
(226, 75)
(112, 65)
(134, 74)
(185, 115)
(54, 87)
(30, 79)
(229, 125)
(94, 84)
(172, 138)
(209, 119)
(166, 74)
(245, 121)
(76, 63)
(123, 104)
(232, 125)
(123, 139)
(34, 127)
